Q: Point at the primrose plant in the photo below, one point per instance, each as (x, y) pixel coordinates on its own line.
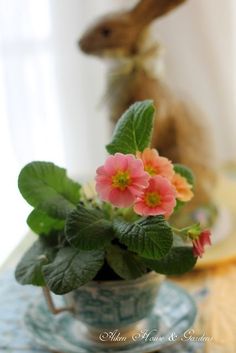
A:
(120, 232)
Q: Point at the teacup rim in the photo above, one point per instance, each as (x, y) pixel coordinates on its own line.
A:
(150, 276)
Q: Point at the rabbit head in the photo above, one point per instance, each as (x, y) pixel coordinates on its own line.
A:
(120, 32)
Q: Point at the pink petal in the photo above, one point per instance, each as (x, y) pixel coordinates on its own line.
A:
(110, 166)
(198, 250)
(103, 191)
(121, 198)
(121, 161)
(140, 208)
(101, 170)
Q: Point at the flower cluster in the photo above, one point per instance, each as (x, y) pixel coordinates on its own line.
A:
(119, 232)
(147, 182)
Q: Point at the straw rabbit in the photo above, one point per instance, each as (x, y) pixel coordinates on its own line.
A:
(180, 132)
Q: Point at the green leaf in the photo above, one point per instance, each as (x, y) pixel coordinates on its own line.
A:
(47, 187)
(87, 229)
(133, 130)
(41, 223)
(124, 263)
(185, 172)
(72, 268)
(179, 205)
(178, 261)
(29, 269)
(149, 237)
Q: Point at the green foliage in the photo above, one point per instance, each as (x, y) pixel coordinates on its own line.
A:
(185, 172)
(178, 261)
(41, 223)
(87, 229)
(74, 237)
(47, 188)
(72, 268)
(124, 263)
(179, 205)
(149, 237)
(29, 269)
(133, 130)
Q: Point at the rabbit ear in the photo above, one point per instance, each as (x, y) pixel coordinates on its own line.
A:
(147, 10)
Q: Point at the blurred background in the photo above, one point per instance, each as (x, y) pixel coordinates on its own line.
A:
(51, 94)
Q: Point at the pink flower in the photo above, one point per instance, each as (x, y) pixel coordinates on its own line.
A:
(157, 199)
(200, 242)
(182, 187)
(156, 165)
(121, 179)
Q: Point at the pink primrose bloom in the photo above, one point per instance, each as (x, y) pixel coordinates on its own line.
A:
(182, 187)
(200, 242)
(121, 179)
(155, 164)
(157, 199)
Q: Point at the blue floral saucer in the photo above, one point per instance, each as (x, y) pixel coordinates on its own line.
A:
(173, 315)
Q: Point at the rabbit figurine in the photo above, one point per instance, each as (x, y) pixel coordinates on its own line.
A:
(180, 130)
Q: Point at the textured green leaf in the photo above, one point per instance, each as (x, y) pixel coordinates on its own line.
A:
(87, 229)
(124, 263)
(72, 268)
(185, 172)
(47, 187)
(29, 269)
(133, 130)
(41, 223)
(149, 237)
(178, 261)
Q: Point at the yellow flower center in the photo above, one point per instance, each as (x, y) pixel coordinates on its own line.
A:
(150, 170)
(121, 180)
(152, 199)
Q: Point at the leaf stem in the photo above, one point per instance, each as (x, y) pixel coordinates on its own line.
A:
(50, 303)
(181, 230)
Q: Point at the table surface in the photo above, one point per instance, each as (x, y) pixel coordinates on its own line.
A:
(214, 290)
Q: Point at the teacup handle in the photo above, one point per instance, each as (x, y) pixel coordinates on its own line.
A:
(51, 306)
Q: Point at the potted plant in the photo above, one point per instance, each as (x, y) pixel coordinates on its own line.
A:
(111, 248)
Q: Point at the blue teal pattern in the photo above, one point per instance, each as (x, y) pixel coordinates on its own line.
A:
(14, 338)
(116, 304)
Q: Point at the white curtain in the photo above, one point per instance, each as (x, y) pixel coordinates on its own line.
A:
(50, 92)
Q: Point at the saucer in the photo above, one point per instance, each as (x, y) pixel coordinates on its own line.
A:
(173, 314)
